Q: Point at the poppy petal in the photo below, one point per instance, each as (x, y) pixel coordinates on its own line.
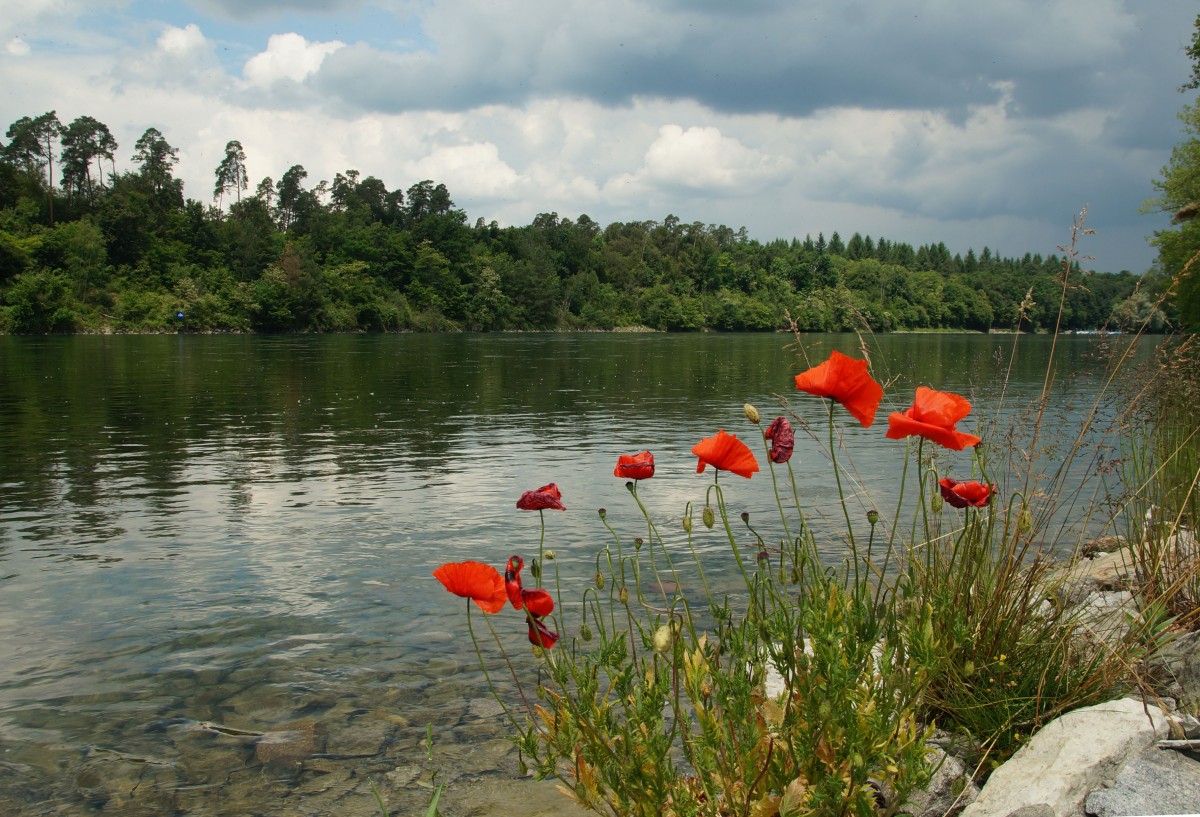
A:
(512, 581)
(476, 581)
(961, 494)
(846, 380)
(939, 408)
(538, 602)
(546, 497)
(726, 452)
(540, 636)
(635, 466)
(901, 425)
(783, 440)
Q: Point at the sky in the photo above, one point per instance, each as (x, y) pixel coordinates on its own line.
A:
(977, 124)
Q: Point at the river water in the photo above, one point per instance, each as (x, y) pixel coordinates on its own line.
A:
(215, 552)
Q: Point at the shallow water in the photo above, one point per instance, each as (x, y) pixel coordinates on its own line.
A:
(205, 540)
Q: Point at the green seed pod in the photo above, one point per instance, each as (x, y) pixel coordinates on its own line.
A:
(1025, 521)
(873, 517)
(935, 503)
(687, 522)
(603, 513)
(585, 632)
(623, 595)
(708, 516)
(637, 543)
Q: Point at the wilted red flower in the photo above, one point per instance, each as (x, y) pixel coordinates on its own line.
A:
(932, 416)
(548, 496)
(847, 381)
(537, 602)
(635, 466)
(474, 580)
(539, 635)
(512, 580)
(961, 494)
(726, 452)
(782, 438)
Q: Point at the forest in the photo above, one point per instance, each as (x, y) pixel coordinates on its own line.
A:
(102, 250)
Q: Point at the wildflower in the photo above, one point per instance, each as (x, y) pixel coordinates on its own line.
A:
(548, 496)
(539, 635)
(962, 494)
(933, 415)
(635, 466)
(751, 413)
(537, 602)
(727, 453)
(476, 581)
(845, 380)
(782, 438)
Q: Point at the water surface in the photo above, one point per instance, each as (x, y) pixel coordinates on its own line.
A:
(240, 530)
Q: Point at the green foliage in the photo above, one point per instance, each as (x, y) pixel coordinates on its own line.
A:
(419, 265)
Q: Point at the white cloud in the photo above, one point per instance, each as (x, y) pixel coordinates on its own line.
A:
(288, 56)
(474, 170)
(16, 47)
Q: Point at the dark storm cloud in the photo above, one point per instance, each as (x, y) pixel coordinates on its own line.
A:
(256, 10)
(783, 58)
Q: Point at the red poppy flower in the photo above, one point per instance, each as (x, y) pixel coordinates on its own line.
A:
(512, 581)
(540, 636)
(845, 380)
(782, 438)
(726, 452)
(548, 496)
(474, 580)
(538, 602)
(962, 494)
(635, 466)
(932, 416)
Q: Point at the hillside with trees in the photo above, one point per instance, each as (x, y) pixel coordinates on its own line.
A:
(87, 248)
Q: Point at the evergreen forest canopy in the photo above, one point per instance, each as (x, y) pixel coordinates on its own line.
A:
(105, 250)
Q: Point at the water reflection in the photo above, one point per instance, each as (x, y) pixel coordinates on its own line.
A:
(240, 530)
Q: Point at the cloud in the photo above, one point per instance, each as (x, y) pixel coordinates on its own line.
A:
(253, 10)
(288, 57)
(475, 170)
(16, 47)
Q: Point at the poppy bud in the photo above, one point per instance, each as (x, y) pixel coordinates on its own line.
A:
(585, 632)
(763, 556)
(796, 575)
(873, 517)
(936, 503)
(629, 486)
(599, 580)
(623, 595)
(664, 638)
(1025, 521)
(549, 555)
(637, 543)
(687, 522)
(752, 414)
(603, 513)
(708, 516)
(746, 517)
(535, 569)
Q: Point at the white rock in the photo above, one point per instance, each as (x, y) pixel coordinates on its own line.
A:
(1071, 756)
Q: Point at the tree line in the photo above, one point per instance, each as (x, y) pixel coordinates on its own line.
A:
(110, 250)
